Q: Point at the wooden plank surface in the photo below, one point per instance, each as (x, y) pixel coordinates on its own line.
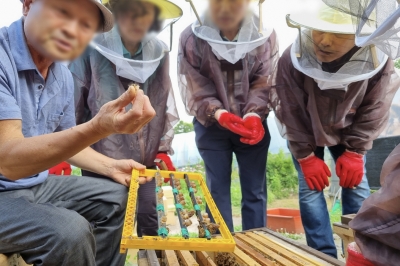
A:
(170, 258)
(254, 254)
(282, 250)
(264, 250)
(243, 258)
(186, 258)
(338, 229)
(346, 219)
(204, 259)
(142, 258)
(345, 233)
(152, 258)
(312, 252)
(3, 260)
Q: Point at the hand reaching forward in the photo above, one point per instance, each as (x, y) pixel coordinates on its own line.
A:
(114, 119)
(121, 172)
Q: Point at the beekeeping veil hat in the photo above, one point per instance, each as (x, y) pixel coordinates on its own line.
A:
(381, 15)
(168, 10)
(153, 50)
(361, 65)
(252, 34)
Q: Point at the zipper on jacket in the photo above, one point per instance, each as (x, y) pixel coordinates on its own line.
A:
(332, 114)
(142, 146)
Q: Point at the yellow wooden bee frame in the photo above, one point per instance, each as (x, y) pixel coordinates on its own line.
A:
(130, 240)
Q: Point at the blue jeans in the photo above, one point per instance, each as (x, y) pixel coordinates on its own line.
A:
(216, 146)
(314, 211)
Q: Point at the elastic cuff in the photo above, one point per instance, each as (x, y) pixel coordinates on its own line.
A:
(305, 158)
(356, 153)
(251, 114)
(219, 111)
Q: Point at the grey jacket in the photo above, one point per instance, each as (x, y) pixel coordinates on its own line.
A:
(97, 83)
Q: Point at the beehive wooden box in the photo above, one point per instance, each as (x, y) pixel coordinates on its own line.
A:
(253, 248)
(14, 260)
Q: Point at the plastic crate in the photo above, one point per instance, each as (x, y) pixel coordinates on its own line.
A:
(130, 240)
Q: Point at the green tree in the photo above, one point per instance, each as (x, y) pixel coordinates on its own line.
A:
(282, 176)
(183, 127)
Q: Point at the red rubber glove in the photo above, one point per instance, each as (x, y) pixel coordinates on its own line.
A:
(315, 172)
(168, 162)
(350, 169)
(355, 257)
(234, 124)
(61, 169)
(254, 124)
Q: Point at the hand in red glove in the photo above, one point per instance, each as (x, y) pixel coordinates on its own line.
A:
(233, 123)
(168, 163)
(350, 169)
(61, 169)
(254, 124)
(315, 172)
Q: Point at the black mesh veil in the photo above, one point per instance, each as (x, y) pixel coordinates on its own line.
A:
(381, 15)
(355, 65)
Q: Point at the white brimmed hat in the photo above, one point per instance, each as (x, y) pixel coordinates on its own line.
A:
(326, 19)
(108, 19)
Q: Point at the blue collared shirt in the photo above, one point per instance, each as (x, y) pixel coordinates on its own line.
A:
(128, 55)
(44, 106)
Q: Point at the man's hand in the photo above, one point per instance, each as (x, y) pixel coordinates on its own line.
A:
(350, 169)
(121, 172)
(254, 124)
(315, 172)
(233, 123)
(114, 119)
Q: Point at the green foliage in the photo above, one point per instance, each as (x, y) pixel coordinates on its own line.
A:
(129, 259)
(335, 214)
(281, 174)
(237, 228)
(76, 171)
(283, 232)
(183, 127)
(397, 63)
(282, 179)
(191, 235)
(198, 168)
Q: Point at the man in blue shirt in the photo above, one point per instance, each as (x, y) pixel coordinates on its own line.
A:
(59, 220)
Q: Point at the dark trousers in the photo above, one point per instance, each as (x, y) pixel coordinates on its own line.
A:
(147, 223)
(65, 221)
(216, 146)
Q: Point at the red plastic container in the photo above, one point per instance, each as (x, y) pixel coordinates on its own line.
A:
(285, 219)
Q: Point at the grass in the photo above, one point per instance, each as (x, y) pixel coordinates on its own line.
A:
(237, 228)
(283, 232)
(191, 235)
(76, 171)
(236, 193)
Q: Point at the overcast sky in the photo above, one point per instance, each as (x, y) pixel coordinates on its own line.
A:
(274, 15)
